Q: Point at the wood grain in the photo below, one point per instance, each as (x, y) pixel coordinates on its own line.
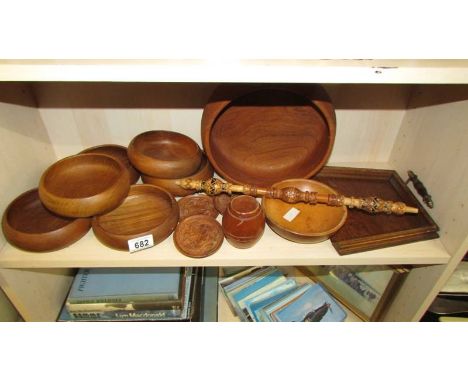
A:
(119, 153)
(84, 185)
(147, 210)
(205, 171)
(198, 236)
(363, 231)
(313, 223)
(261, 135)
(164, 154)
(28, 225)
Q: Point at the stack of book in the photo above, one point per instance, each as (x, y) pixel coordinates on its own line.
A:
(135, 294)
(266, 294)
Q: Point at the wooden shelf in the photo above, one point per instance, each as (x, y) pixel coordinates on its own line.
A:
(270, 250)
(272, 70)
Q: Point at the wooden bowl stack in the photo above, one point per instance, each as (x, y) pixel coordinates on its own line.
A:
(166, 157)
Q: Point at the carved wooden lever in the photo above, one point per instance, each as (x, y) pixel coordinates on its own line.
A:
(370, 204)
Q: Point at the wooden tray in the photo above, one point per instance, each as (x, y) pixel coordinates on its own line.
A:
(364, 232)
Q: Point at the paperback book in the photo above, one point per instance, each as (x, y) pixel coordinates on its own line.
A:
(112, 289)
(187, 312)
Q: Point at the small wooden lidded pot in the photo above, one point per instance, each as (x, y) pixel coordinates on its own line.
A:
(243, 222)
(164, 154)
(198, 236)
(84, 185)
(117, 152)
(197, 204)
(147, 210)
(28, 225)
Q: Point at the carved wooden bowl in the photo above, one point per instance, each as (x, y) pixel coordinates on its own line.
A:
(198, 236)
(28, 225)
(84, 185)
(164, 154)
(260, 135)
(197, 204)
(146, 210)
(313, 223)
(205, 171)
(117, 152)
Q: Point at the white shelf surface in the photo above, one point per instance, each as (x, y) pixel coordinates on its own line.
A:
(242, 70)
(270, 250)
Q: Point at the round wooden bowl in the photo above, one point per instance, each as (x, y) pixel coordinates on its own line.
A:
(147, 210)
(84, 185)
(28, 225)
(117, 152)
(164, 154)
(313, 223)
(198, 236)
(197, 204)
(205, 171)
(261, 135)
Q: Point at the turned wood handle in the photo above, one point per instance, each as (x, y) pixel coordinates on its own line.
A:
(370, 204)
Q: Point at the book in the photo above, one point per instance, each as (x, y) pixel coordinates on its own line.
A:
(209, 302)
(123, 288)
(185, 313)
(308, 303)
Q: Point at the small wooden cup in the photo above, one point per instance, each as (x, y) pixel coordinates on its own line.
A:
(117, 152)
(164, 154)
(84, 185)
(198, 236)
(28, 225)
(243, 222)
(147, 210)
(205, 171)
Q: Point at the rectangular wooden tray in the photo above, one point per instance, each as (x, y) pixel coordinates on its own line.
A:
(363, 231)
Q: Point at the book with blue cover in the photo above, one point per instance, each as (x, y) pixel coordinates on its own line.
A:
(188, 311)
(126, 285)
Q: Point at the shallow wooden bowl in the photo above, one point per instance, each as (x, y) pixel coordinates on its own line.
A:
(313, 224)
(117, 152)
(198, 236)
(260, 135)
(84, 185)
(164, 154)
(205, 171)
(147, 210)
(28, 225)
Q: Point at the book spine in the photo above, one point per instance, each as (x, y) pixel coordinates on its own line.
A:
(142, 315)
(124, 299)
(126, 306)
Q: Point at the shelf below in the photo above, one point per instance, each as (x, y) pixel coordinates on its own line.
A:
(270, 250)
(225, 314)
